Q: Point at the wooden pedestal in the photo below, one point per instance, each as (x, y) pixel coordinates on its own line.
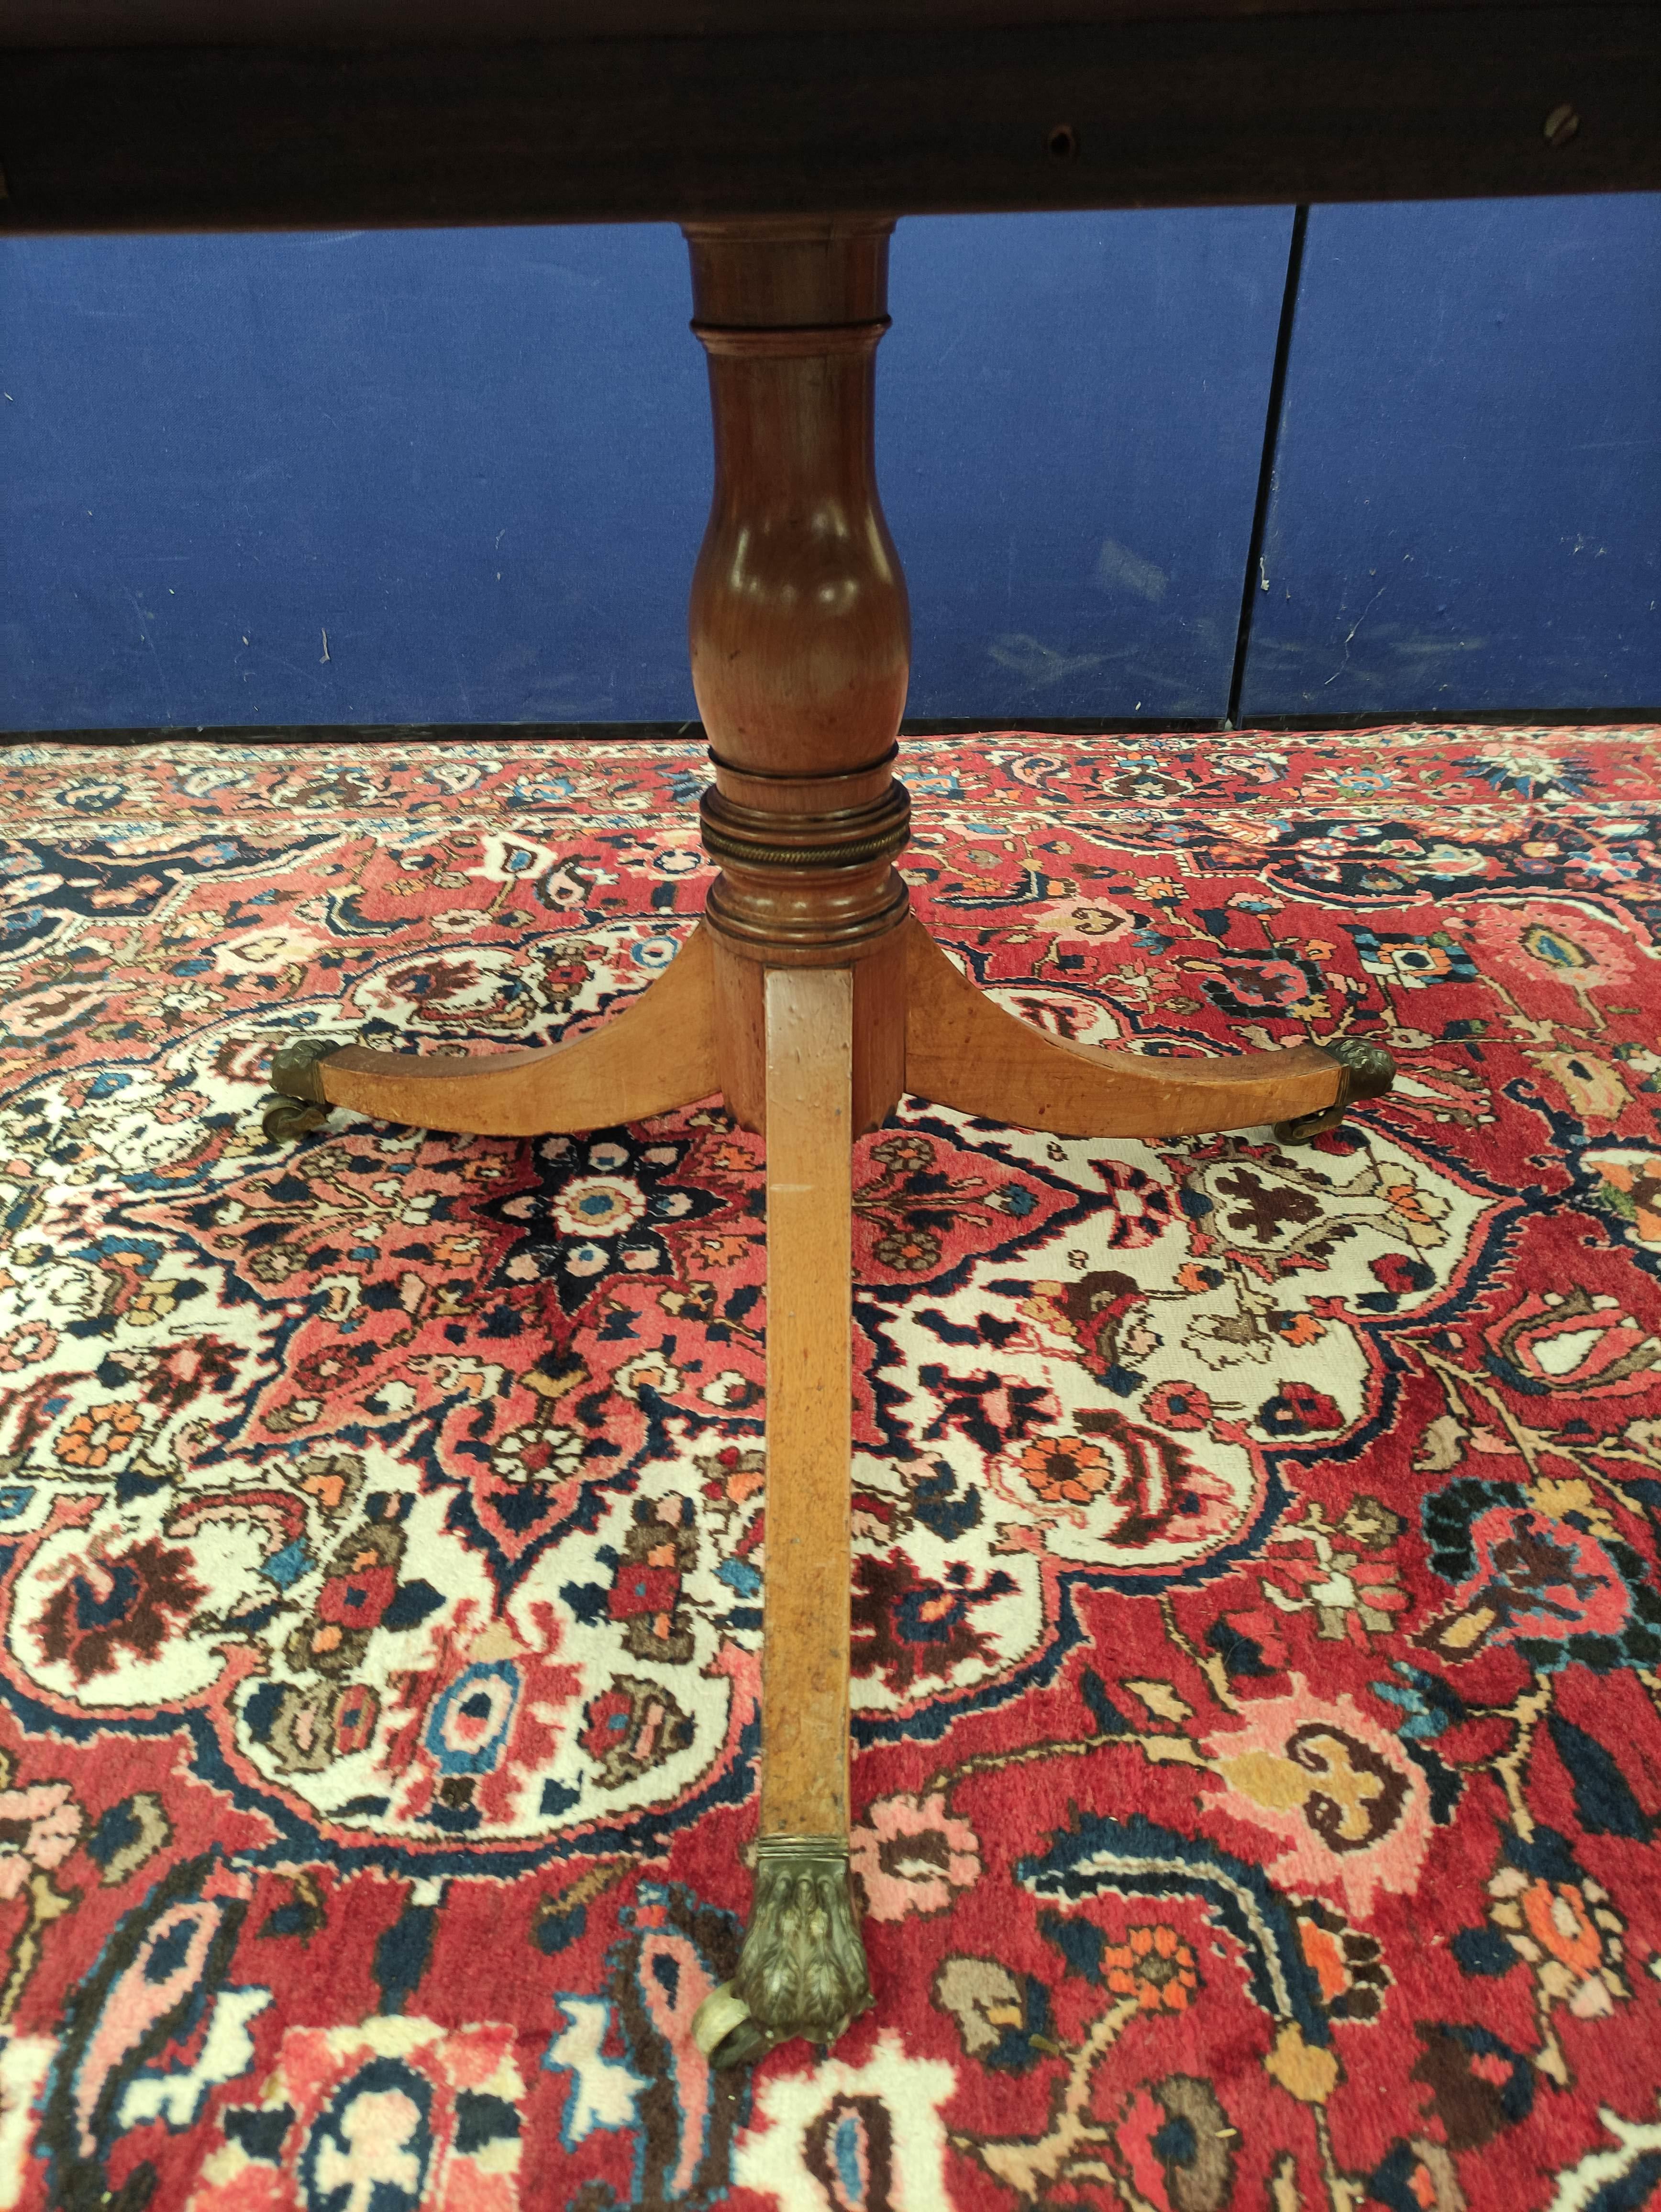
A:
(811, 999)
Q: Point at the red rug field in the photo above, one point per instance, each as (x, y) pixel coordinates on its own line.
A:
(1257, 1630)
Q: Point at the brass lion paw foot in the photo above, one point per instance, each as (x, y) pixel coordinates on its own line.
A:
(296, 1076)
(802, 1970)
(1368, 1072)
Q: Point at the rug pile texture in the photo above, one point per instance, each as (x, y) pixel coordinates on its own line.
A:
(1258, 1636)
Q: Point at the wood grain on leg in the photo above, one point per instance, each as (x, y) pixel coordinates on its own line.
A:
(804, 1789)
(965, 1051)
(878, 1031)
(655, 1052)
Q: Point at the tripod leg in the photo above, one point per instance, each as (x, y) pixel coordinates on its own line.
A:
(802, 1971)
(656, 1053)
(963, 1050)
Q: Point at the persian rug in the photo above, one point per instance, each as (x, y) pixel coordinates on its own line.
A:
(1258, 1637)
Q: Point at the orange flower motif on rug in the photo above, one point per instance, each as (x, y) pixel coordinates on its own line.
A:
(1066, 1469)
(1155, 1967)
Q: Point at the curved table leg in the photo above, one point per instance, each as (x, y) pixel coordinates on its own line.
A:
(802, 1970)
(963, 1050)
(656, 1053)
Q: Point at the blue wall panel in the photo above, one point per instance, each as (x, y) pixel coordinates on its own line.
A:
(479, 461)
(1466, 511)
(1071, 433)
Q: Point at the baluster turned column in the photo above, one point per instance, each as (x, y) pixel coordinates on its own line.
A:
(801, 639)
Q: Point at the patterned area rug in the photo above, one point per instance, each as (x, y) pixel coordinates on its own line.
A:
(1257, 1627)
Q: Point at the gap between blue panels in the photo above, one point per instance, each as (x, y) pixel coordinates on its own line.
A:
(1466, 503)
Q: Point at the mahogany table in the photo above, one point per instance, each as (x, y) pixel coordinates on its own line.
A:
(785, 135)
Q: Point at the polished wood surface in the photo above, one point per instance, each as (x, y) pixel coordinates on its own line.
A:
(800, 632)
(965, 1051)
(804, 1622)
(879, 1033)
(800, 642)
(197, 114)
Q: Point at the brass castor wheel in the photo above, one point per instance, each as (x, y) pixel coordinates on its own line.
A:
(724, 2033)
(285, 1119)
(1368, 1072)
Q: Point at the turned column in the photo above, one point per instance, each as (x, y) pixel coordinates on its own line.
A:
(801, 640)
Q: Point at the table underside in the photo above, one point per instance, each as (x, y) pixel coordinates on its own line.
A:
(188, 114)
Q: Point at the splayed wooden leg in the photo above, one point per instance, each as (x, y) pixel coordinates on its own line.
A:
(963, 1050)
(802, 1970)
(656, 1053)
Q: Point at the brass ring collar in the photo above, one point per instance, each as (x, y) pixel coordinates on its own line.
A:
(853, 836)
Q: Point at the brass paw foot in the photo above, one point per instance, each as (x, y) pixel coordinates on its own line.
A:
(296, 1076)
(1368, 1072)
(802, 1969)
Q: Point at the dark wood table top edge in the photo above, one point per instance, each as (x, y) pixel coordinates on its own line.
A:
(949, 105)
(51, 24)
